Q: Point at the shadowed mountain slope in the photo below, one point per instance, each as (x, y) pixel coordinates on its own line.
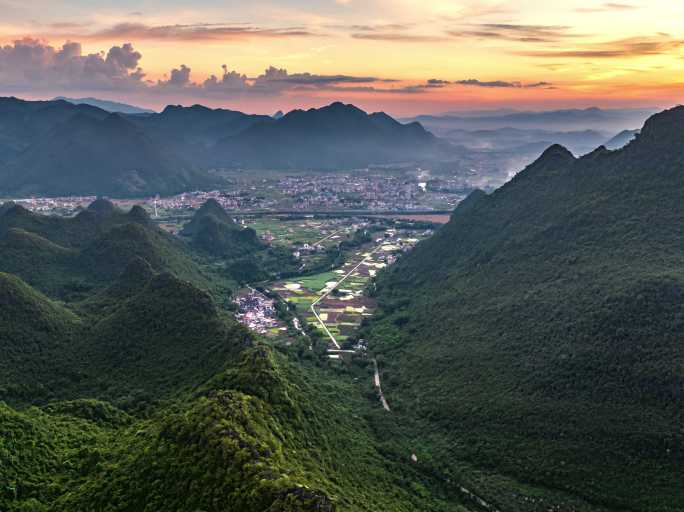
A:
(59, 148)
(538, 333)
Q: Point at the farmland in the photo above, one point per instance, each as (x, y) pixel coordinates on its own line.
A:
(339, 297)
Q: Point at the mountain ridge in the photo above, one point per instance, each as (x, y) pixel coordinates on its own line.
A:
(61, 148)
(559, 302)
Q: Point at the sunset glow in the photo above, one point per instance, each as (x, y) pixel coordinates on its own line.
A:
(402, 56)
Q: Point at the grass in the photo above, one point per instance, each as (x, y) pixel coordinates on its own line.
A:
(317, 282)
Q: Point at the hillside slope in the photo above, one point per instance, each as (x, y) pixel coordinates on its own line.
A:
(538, 334)
(332, 137)
(58, 148)
(212, 230)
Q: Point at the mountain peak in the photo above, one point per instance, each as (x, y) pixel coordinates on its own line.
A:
(7, 206)
(213, 207)
(139, 214)
(664, 128)
(102, 206)
(556, 154)
(554, 159)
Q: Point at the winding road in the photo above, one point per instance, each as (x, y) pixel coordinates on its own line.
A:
(376, 381)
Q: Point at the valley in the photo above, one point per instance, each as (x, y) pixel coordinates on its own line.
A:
(357, 342)
(341, 256)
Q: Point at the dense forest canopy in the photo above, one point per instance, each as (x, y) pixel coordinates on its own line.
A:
(539, 333)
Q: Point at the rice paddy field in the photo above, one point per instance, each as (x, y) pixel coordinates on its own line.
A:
(293, 232)
(340, 295)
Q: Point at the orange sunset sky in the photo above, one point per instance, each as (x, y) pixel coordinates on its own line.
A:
(402, 56)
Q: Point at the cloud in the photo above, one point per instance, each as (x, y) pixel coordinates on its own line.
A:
(180, 77)
(502, 84)
(190, 32)
(374, 28)
(608, 7)
(273, 81)
(398, 37)
(623, 48)
(32, 64)
(29, 65)
(515, 32)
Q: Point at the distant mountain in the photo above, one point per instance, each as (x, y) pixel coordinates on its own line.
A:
(538, 333)
(611, 120)
(527, 140)
(278, 114)
(109, 106)
(59, 148)
(332, 137)
(622, 139)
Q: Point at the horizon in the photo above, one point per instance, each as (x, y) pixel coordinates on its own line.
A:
(399, 56)
(465, 112)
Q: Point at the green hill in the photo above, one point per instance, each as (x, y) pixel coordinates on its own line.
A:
(212, 230)
(538, 334)
(141, 393)
(73, 232)
(67, 257)
(41, 262)
(264, 435)
(168, 336)
(109, 254)
(36, 341)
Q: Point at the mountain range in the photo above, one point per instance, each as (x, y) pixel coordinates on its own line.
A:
(109, 106)
(610, 120)
(125, 384)
(537, 335)
(61, 148)
(531, 351)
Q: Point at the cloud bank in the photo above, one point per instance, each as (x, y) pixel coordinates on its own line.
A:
(30, 65)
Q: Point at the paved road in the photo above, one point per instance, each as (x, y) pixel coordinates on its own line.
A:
(327, 237)
(376, 381)
(330, 290)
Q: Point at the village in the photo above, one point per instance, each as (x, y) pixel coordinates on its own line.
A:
(336, 301)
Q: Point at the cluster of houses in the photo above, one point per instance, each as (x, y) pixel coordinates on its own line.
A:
(257, 312)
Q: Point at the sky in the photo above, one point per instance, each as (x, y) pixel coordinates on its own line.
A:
(405, 57)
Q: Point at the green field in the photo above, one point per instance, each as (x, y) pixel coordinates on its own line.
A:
(317, 281)
(299, 231)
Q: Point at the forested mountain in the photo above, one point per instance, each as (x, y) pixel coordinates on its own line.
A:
(125, 385)
(211, 229)
(336, 136)
(56, 147)
(213, 232)
(69, 256)
(538, 335)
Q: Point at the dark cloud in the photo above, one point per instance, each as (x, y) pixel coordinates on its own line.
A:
(180, 77)
(32, 64)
